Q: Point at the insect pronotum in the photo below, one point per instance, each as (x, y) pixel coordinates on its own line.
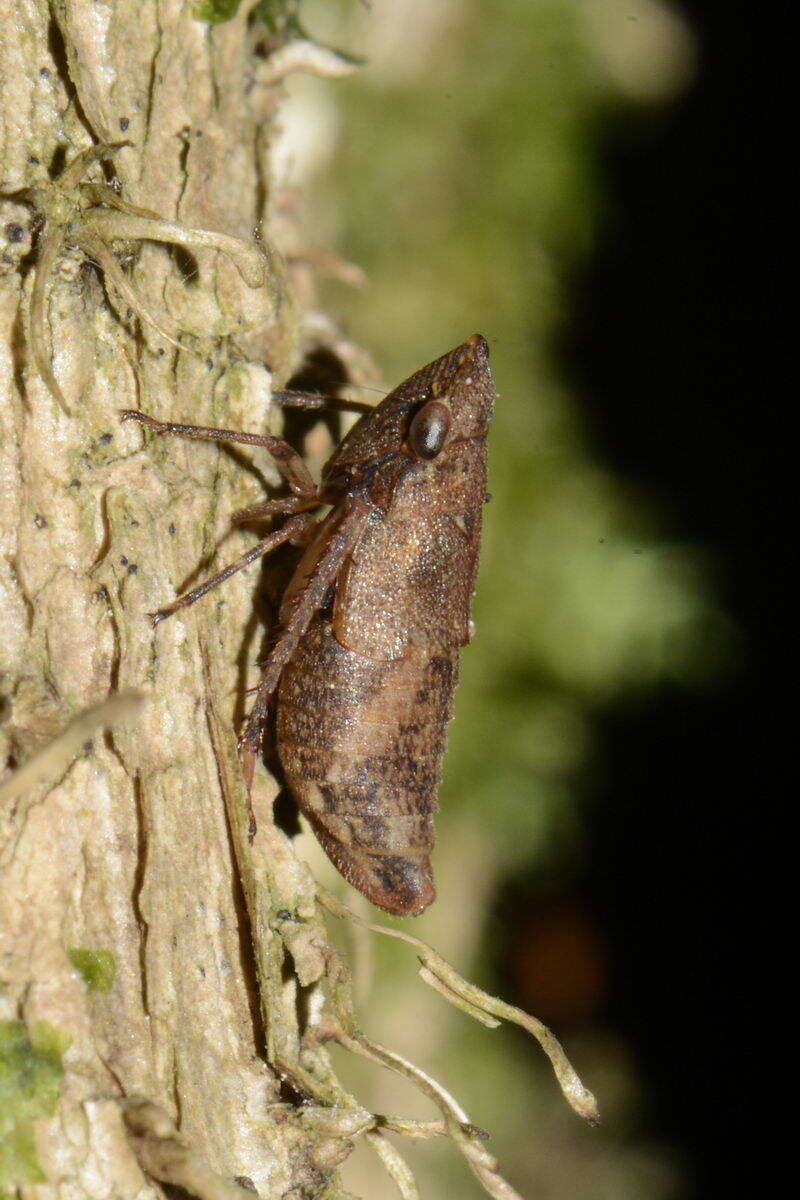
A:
(365, 662)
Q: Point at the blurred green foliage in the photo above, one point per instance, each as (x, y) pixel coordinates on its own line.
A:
(464, 179)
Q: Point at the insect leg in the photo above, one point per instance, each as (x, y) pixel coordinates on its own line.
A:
(342, 539)
(317, 400)
(287, 460)
(272, 508)
(293, 527)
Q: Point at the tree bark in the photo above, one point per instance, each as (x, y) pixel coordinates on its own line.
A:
(132, 1002)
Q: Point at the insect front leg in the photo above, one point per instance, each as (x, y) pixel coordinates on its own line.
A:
(287, 460)
(316, 400)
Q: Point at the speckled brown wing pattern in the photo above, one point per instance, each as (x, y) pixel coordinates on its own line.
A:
(409, 584)
(361, 743)
(364, 703)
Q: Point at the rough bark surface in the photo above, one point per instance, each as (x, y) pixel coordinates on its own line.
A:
(128, 860)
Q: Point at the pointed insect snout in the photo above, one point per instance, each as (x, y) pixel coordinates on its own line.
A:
(471, 355)
(470, 389)
(478, 344)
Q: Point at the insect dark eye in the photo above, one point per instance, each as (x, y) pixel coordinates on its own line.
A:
(428, 430)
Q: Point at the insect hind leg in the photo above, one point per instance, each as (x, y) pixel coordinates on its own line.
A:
(343, 535)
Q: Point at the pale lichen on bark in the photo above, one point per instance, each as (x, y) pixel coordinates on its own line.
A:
(130, 853)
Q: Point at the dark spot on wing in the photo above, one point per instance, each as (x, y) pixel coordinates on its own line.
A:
(330, 797)
(440, 668)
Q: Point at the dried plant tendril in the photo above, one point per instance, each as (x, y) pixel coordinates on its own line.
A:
(470, 998)
(88, 216)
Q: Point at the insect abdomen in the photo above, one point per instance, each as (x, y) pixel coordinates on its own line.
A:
(361, 743)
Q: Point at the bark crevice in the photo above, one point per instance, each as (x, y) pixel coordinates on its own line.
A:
(127, 851)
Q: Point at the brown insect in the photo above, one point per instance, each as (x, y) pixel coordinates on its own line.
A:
(366, 657)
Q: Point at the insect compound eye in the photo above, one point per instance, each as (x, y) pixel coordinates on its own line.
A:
(429, 428)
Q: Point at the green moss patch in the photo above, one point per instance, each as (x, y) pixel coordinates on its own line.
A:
(98, 967)
(30, 1076)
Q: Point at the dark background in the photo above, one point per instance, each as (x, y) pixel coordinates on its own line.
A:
(677, 824)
